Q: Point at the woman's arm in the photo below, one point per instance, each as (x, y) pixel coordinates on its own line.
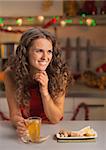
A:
(10, 88)
(15, 114)
(53, 108)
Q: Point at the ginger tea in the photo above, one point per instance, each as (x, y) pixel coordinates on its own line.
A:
(33, 127)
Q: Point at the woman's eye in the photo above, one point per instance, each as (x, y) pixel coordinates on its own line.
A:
(50, 51)
(41, 51)
(38, 50)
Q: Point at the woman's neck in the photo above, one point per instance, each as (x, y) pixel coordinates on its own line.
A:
(33, 71)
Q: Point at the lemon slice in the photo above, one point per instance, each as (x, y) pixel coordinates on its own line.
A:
(87, 131)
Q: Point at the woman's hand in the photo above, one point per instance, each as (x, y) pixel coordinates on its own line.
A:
(20, 125)
(42, 78)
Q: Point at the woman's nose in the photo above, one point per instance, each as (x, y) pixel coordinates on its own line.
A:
(44, 56)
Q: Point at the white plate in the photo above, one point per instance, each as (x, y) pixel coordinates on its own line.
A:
(76, 138)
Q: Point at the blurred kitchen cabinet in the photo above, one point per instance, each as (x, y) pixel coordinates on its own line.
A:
(96, 106)
(68, 108)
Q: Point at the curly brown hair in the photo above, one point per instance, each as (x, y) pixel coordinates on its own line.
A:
(57, 71)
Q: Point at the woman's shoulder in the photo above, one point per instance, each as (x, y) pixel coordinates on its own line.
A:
(8, 71)
(9, 75)
(9, 82)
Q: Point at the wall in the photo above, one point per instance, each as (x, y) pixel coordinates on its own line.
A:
(30, 8)
(96, 35)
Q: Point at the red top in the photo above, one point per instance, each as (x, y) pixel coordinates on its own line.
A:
(36, 105)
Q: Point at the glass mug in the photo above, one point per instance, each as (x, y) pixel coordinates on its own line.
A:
(33, 125)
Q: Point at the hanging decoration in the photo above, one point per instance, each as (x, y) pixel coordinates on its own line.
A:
(10, 31)
(71, 9)
(8, 24)
(81, 105)
(51, 22)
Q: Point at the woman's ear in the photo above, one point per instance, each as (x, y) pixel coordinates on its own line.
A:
(24, 50)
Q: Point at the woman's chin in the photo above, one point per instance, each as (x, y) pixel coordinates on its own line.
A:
(42, 69)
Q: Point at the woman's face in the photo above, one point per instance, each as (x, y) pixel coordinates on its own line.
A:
(40, 54)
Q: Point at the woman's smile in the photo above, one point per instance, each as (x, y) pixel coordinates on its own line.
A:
(43, 63)
(40, 54)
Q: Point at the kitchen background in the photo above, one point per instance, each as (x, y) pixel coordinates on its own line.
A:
(80, 28)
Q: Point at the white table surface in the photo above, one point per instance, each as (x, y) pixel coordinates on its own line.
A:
(9, 139)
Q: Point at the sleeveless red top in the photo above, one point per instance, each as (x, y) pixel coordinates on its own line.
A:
(36, 105)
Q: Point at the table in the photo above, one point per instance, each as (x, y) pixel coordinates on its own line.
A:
(10, 141)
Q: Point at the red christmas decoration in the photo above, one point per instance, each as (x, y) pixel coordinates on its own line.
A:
(12, 31)
(48, 24)
(81, 105)
(51, 22)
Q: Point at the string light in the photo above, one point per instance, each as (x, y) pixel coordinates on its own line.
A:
(53, 20)
(1, 22)
(62, 23)
(1, 25)
(93, 22)
(83, 15)
(41, 18)
(30, 19)
(68, 21)
(81, 22)
(9, 28)
(57, 17)
(19, 21)
(89, 22)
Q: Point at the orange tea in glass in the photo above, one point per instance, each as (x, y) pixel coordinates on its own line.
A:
(33, 125)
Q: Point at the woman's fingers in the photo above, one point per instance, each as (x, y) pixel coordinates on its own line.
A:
(20, 132)
(21, 123)
(21, 126)
(40, 74)
(41, 77)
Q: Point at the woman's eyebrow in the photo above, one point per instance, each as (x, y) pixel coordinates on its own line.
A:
(43, 49)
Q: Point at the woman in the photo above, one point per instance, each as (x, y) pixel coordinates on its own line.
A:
(36, 79)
